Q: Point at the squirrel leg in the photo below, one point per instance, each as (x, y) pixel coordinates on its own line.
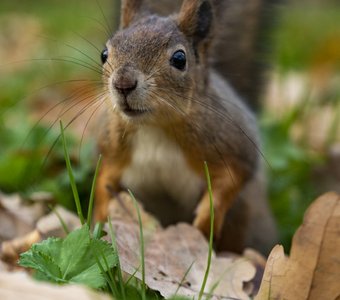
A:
(225, 189)
(107, 182)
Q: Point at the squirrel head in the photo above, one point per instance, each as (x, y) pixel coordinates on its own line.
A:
(154, 65)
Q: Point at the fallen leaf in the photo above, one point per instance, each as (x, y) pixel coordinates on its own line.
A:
(30, 289)
(4, 267)
(18, 217)
(50, 225)
(255, 257)
(10, 250)
(259, 261)
(46, 226)
(123, 207)
(10, 226)
(313, 269)
(175, 261)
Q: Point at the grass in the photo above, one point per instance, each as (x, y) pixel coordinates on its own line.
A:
(307, 36)
(211, 235)
(304, 39)
(91, 201)
(291, 188)
(119, 271)
(71, 176)
(66, 260)
(141, 238)
(306, 42)
(28, 84)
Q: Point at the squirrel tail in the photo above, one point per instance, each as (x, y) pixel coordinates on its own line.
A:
(241, 44)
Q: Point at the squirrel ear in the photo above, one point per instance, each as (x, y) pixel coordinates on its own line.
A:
(129, 10)
(195, 19)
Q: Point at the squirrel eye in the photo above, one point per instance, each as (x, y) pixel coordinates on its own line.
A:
(178, 60)
(104, 55)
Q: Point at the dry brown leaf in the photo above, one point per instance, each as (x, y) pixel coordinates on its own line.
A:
(18, 217)
(123, 207)
(14, 286)
(10, 250)
(170, 252)
(4, 267)
(259, 261)
(50, 224)
(11, 227)
(45, 227)
(313, 269)
(255, 257)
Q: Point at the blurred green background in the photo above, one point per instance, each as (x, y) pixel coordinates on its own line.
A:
(50, 53)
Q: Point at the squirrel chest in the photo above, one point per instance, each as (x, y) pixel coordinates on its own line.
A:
(158, 171)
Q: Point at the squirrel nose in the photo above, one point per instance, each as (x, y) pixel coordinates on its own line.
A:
(125, 85)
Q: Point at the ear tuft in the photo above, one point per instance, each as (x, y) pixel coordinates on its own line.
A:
(129, 11)
(195, 19)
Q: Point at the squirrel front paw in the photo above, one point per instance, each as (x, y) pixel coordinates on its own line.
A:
(203, 219)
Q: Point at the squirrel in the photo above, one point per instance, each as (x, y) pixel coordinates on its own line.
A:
(176, 92)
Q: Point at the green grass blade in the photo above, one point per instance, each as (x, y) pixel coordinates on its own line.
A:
(115, 248)
(183, 278)
(98, 231)
(211, 238)
(90, 210)
(63, 224)
(141, 244)
(132, 276)
(110, 282)
(71, 176)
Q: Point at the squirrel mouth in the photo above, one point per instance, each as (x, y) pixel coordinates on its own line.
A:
(133, 112)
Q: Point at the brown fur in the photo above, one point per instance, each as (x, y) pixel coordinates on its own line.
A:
(188, 116)
(239, 45)
(129, 11)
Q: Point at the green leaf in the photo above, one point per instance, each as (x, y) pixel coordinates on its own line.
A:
(88, 270)
(72, 251)
(42, 257)
(74, 259)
